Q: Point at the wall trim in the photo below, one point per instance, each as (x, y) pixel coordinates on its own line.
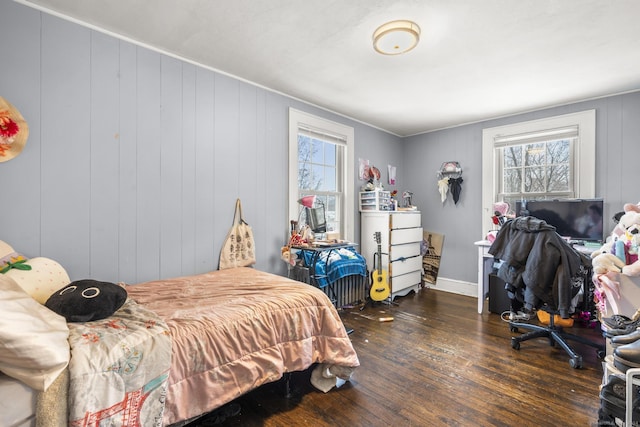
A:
(459, 287)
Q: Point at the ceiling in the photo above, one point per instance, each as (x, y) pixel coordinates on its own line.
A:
(476, 60)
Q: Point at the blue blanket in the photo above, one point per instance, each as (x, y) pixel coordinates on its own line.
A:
(336, 264)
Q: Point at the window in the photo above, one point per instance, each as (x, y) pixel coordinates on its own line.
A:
(319, 154)
(550, 158)
(535, 165)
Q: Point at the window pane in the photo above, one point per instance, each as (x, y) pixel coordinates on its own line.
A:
(317, 177)
(558, 151)
(534, 154)
(304, 149)
(332, 217)
(330, 154)
(304, 157)
(558, 177)
(304, 176)
(534, 180)
(317, 151)
(512, 181)
(329, 183)
(546, 168)
(512, 156)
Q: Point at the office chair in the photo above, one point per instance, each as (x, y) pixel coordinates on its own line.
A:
(556, 335)
(542, 271)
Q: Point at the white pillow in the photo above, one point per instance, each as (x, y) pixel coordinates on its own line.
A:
(45, 277)
(33, 339)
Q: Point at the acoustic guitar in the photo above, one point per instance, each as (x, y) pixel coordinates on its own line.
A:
(380, 290)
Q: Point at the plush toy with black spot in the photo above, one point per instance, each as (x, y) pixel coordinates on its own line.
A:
(87, 300)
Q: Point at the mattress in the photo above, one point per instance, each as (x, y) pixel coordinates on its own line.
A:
(17, 403)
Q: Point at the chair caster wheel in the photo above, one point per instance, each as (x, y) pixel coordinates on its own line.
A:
(513, 328)
(575, 362)
(515, 344)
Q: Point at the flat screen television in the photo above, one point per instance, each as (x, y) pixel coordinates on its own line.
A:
(574, 219)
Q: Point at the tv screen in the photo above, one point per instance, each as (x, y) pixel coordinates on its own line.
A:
(316, 219)
(574, 219)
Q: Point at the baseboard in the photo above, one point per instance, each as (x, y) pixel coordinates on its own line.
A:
(456, 287)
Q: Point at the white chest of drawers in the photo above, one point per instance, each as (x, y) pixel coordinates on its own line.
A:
(400, 239)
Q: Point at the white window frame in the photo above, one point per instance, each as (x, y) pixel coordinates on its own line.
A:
(298, 120)
(584, 163)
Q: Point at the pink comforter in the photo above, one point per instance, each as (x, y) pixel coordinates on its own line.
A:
(234, 330)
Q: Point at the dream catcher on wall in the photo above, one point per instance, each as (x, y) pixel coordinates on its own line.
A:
(450, 180)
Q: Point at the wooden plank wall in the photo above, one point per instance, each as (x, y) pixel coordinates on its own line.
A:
(135, 158)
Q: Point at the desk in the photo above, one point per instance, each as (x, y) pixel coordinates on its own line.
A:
(485, 265)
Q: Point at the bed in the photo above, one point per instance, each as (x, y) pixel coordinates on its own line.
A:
(181, 347)
(17, 411)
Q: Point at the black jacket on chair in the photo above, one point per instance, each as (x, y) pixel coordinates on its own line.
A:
(539, 265)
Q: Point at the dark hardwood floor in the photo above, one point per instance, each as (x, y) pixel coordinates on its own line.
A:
(439, 363)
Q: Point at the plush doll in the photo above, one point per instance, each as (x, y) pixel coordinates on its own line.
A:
(619, 255)
(608, 247)
(627, 244)
(607, 262)
(606, 278)
(623, 246)
(630, 207)
(626, 226)
(628, 220)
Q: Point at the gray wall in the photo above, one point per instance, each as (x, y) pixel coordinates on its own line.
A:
(135, 159)
(616, 174)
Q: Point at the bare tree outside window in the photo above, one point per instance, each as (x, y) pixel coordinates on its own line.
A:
(544, 158)
(317, 175)
(536, 171)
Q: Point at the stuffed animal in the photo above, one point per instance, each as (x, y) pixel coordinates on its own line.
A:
(623, 246)
(630, 223)
(627, 229)
(618, 255)
(606, 262)
(630, 207)
(606, 278)
(629, 219)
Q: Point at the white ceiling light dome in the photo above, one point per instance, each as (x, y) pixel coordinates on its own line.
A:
(396, 37)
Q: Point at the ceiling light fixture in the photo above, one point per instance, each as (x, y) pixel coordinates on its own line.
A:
(396, 37)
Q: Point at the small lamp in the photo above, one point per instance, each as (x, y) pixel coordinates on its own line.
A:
(307, 201)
